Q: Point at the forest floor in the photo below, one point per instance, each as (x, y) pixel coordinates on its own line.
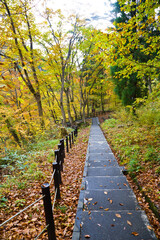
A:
(29, 224)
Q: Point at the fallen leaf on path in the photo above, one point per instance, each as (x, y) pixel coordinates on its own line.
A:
(106, 209)
(149, 227)
(90, 199)
(135, 233)
(118, 215)
(106, 193)
(129, 223)
(87, 236)
(121, 204)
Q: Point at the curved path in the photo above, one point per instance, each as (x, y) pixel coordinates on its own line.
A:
(107, 208)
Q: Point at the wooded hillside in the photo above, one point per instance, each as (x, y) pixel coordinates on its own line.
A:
(62, 70)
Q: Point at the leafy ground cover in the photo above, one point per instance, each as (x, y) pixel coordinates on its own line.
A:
(20, 193)
(135, 141)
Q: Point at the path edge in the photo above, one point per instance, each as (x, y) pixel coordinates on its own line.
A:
(77, 226)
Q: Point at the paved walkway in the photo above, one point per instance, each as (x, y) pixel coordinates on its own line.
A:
(107, 208)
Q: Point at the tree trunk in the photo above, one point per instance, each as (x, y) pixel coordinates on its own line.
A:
(40, 109)
(13, 132)
(102, 99)
(87, 108)
(63, 114)
(61, 98)
(83, 116)
(75, 112)
(53, 114)
(81, 110)
(68, 107)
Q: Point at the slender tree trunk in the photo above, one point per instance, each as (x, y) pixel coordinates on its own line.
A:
(61, 97)
(83, 116)
(63, 114)
(102, 99)
(80, 110)
(40, 109)
(53, 114)
(68, 107)
(87, 108)
(75, 112)
(13, 132)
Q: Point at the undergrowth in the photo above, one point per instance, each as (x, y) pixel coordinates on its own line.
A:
(19, 167)
(134, 134)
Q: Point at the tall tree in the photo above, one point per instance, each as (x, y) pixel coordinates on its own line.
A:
(90, 67)
(59, 44)
(17, 46)
(131, 69)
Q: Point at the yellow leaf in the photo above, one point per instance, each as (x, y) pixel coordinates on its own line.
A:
(135, 233)
(118, 215)
(149, 227)
(90, 199)
(106, 209)
(129, 223)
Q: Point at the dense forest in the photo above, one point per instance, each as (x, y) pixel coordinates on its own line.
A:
(62, 70)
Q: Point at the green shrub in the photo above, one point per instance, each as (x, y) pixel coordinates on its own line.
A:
(151, 155)
(110, 123)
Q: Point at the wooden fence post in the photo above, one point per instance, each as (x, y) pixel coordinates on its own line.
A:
(72, 138)
(48, 211)
(70, 141)
(56, 180)
(67, 149)
(63, 148)
(57, 156)
(61, 156)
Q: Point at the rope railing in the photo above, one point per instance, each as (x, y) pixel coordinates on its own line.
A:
(46, 196)
(52, 177)
(41, 232)
(54, 201)
(21, 211)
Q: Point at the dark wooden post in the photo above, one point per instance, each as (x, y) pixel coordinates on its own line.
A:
(70, 140)
(57, 156)
(76, 131)
(61, 156)
(48, 211)
(63, 148)
(67, 149)
(56, 180)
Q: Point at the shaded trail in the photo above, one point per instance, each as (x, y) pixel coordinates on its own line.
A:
(107, 208)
